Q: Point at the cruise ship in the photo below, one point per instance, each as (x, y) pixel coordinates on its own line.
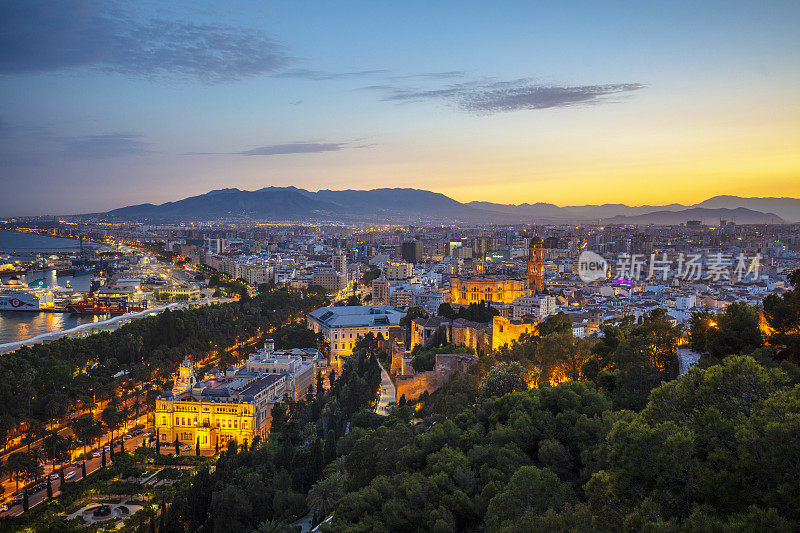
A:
(17, 296)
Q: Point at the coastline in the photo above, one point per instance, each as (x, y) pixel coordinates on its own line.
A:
(54, 335)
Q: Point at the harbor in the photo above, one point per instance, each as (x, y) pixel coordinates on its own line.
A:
(52, 287)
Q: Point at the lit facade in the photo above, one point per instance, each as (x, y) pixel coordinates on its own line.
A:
(465, 291)
(342, 326)
(178, 293)
(506, 332)
(398, 271)
(235, 406)
(536, 265)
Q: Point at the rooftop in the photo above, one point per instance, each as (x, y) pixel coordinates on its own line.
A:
(354, 316)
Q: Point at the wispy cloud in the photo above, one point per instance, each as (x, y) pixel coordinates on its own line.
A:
(42, 36)
(105, 146)
(490, 97)
(446, 75)
(295, 148)
(287, 149)
(320, 75)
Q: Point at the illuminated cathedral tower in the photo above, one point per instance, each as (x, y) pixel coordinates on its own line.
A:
(536, 265)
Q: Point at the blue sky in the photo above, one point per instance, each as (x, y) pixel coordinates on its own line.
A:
(105, 104)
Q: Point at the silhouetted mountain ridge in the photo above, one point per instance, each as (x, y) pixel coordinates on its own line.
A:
(413, 206)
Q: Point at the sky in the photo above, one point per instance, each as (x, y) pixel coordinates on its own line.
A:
(105, 104)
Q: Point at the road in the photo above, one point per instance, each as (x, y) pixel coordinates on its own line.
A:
(388, 393)
(92, 465)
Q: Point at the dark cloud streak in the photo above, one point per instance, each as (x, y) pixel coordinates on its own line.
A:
(37, 36)
(490, 97)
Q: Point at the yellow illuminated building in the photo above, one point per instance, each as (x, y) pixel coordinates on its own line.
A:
(506, 332)
(235, 406)
(465, 291)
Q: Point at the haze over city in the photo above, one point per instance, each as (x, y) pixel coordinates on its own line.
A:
(106, 104)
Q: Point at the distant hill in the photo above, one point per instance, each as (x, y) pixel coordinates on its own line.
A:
(276, 204)
(786, 208)
(707, 216)
(416, 206)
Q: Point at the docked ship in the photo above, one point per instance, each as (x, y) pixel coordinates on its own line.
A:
(18, 296)
(91, 306)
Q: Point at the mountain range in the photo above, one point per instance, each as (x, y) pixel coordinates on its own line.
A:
(416, 206)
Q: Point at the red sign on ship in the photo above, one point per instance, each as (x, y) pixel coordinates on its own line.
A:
(16, 302)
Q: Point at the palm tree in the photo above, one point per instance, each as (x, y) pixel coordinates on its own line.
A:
(32, 432)
(86, 429)
(137, 405)
(111, 419)
(37, 456)
(325, 494)
(271, 526)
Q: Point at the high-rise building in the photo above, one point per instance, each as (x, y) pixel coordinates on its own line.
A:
(216, 245)
(339, 263)
(411, 251)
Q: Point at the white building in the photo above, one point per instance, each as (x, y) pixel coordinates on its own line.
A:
(686, 302)
(541, 306)
(299, 366)
(398, 271)
(429, 300)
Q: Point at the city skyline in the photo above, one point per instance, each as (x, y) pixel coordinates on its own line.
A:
(106, 105)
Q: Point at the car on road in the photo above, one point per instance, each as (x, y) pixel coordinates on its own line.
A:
(54, 476)
(33, 489)
(69, 475)
(96, 454)
(4, 507)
